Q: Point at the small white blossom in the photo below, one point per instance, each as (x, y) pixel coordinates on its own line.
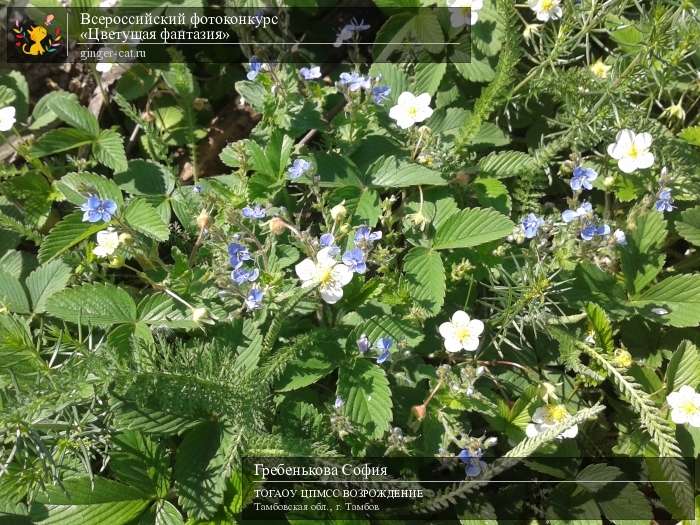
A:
(326, 272)
(7, 118)
(463, 12)
(547, 417)
(410, 109)
(685, 406)
(461, 333)
(546, 9)
(631, 151)
(107, 242)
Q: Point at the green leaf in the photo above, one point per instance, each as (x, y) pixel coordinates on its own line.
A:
(691, 135)
(642, 257)
(476, 70)
(108, 149)
(93, 304)
(66, 234)
(162, 513)
(393, 76)
(501, 165)
(45, 281)
(58, 140)
(144, 218)
(684, 367)
(472, 227)
(428, 77)
(18, 354)
(390, 172)
(144, 177)
(601, 327)
(72, 113)
(376, 325)
(490, 135)
(365, 389)
(680, 295)
(492, 193)
(253, 92)
(202, 466)
(312, 363)
(128, 416)
(13, 296)
(425, 276)
(689, 225)
(76, 186)
(96, 501)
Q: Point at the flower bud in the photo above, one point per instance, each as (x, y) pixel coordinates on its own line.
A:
(199, 314)
(345, 228)
(203, 219)
(116, 262)
(339, 212)
(199, 103)
(277, 226)
(622, 358)
(418, 411)
(674, 111)
(126, 239)
(608, 181)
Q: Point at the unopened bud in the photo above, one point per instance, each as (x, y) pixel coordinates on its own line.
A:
(345, 228)
(116, 262)
(199, 103)
(277, 226)
(125, 239)
(339, 212)
(203, 219)
(622, 358)
(418, 411)
(608, 181)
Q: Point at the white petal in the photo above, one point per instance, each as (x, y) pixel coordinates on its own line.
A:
(625, 139)
(423, 113)
(694, 420)
(306, 270)
(406, 99)
(471, 344)
(678, 416)
(643, 141)
(477, 4)
(686, 391)
(341, 274)
(627, 164)
(614, 152)
(460, 318)
(674, 399)
(331, 294)
(476, 327)
(539, 415)
(100, 251)
(405, 122)
(531, 430)
(423, 100)
(452, 344)
(446, 330)
(645, 160)
(325, 258)
(570, 432)
(397, 112)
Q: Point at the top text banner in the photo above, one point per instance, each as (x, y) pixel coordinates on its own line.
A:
(361, 33)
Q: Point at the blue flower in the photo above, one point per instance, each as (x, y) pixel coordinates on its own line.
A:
(354, 81)
(591, 230)
(242, 275)
(583, 178)
(473, 462)
(254, 299)
(326, 240)
(349, 30)
(310, 73)
(197, 188)
(380, 93)
(366, 237)
(582, 211)
(256, 67)
(531, 224)
(355, 259)
(338, 403)
(664, 202)
(257, 212)
(238, 254)
(298, 168)
(98, 210)
(383, 344)
(363, 344)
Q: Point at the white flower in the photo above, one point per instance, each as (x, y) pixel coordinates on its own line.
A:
(631, 151)
(461, 333)
(107, 242)
(326, 272)
(7, 118)
(545, 9)
(103, 67)
(547, 417)
(411, 109)
(685, 406)
(463, 12)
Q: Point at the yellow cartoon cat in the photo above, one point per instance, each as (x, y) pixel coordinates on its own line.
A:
(36, 34)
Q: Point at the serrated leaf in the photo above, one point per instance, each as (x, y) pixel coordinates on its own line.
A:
(490, 134)
(601, 327)
(492, 193)
(365, 389)
(76, 186)
(684, 367)
(375, 326)
(72, 113)
(476, 70)
(144, 177)
(472, 227)
(428, 77)
(689, 225)
(18, 354)
(393, 76)
(108, 149)
(66, 234)
(679, 295)
(425, 278)
(93, 304)
(128, 416)
(144, 218)
(253, 93)
(642, 257)
(13, 296)
(96, 501)
(45, 281)
(59, 140)
(391, 172)
(501, 165)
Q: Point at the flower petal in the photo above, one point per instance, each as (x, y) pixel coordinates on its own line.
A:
(476, 327)
(627, 164)
(460, 318)
(332, 294)
(446, 330)
(452, 345)
(341, 274)
(306, 270)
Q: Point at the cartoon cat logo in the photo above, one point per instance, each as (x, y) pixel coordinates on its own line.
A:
(36, 40)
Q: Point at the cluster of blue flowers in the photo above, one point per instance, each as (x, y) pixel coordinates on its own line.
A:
(354, 82)
(255, 68)
(472, 459)
(97, 209)
(310, 73)
(256, 212)
(298, 168)
(664, 200)
(383, 346)
(238, 255)
(356, 257)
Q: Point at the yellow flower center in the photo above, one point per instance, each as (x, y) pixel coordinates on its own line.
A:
(412, 112)
(462, 333)
(556, 413)
(326, 277)
(689, 408)
(547, 5)
(633, 152)
(599, 69)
